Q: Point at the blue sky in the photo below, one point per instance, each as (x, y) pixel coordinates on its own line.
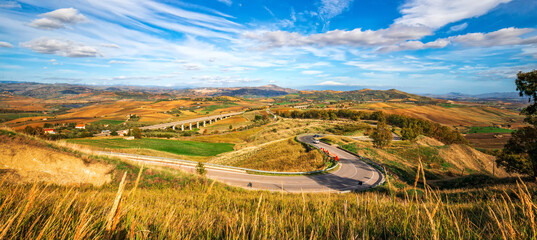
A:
(419, 46)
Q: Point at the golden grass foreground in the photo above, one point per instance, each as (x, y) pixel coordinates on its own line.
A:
(202, 209)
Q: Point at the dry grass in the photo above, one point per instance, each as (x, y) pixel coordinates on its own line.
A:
(458, 116)
(205, 210)
(280, 155)
(22, 103)
(281, 129)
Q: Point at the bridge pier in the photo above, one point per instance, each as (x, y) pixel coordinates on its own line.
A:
(203, 123)
(190, 126)
(173, 127)
(198, 125)
(182, 127)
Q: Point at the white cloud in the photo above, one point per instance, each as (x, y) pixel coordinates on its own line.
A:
(415, 45)
(502, 37)
(227, 2)
(420, 18)
(58, 19)
(530, 51)
(331, 83)
(311, 72)
(459, 27)
(10, 4)
(66, 48)
(6, 45)
(236, 69)
(378, 66)
(357, 37)
(110, 45)
(192, 66)
(332, 8)
(311, 65)
(117, 62)
(396, 65)
(438, 13)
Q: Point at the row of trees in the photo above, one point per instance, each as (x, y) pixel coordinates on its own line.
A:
(73, 133)
(411, 127)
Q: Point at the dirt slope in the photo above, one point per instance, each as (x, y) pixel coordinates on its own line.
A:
(25, 160)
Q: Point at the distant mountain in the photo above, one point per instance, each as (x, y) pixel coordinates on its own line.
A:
(364, 95)
(262, 91)
(47, 91)
(495, 96)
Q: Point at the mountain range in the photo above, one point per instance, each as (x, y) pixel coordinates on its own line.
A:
(49, 91)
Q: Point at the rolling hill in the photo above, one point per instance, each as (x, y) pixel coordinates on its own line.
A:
(364, 95)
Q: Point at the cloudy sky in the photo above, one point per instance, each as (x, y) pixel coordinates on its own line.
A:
(419, 46)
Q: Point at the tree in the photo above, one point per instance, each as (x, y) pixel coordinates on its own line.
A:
(333, 116)
(526, 85)
(382, 136)
(379, 116)
(137, 133)
(411, 132)
(520, 152)
(200, 169)
(29, 130)
(230, 127)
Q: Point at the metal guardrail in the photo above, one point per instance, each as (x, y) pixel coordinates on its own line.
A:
(212, 165)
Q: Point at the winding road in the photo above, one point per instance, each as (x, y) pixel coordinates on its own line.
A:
(353, 174)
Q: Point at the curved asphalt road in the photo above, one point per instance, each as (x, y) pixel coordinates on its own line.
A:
(347, 177)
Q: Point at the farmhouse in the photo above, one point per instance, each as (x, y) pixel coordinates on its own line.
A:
(49, 131)
(80, 126)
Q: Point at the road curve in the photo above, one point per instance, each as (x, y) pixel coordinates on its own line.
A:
(347, 177)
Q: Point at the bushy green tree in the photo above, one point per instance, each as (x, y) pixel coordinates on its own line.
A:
(526, 85)
(137, 133)
(411, 132)
(520, 152)
(379, 116)
(200, 169)
(333, 116)
(382, 136)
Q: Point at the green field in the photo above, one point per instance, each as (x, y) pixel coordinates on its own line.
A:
(447, 105)
(489, 130)
(4, 117)
(189, 148)
(215, 107)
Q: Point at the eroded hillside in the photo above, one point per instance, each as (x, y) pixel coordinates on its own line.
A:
(26, 160)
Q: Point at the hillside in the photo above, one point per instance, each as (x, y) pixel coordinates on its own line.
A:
(441, 162)
(26, 160)
(165, 204)
(364, 95)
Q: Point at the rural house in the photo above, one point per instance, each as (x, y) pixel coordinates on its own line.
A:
(49, 131)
